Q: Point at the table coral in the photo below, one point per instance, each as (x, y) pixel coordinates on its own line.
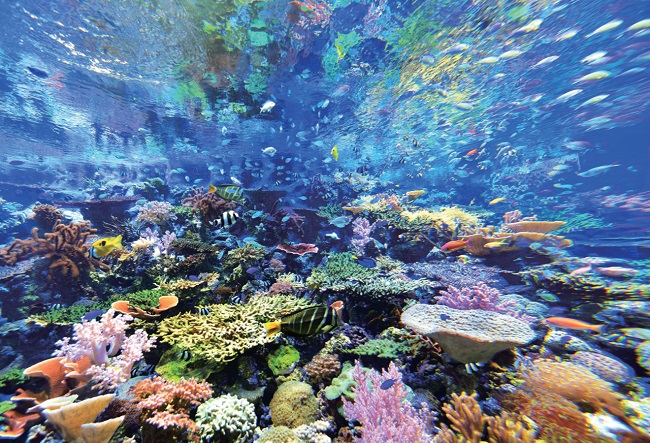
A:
(468, 336)
(228, 330)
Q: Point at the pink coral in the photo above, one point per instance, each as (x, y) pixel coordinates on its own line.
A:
(101, 341)
(361, 228)
(480, 296)
(381, 407)
(167, 404)
(157, 213)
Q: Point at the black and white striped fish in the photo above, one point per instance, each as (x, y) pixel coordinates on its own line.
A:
(227, 219)
(308, 321)
(204, 310)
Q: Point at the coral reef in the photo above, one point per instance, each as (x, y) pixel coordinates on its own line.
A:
(209, 206)
(156, 213)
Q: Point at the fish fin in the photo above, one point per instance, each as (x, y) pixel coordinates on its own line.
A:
(118, 242)
(272, 328)
(599, 328)
(212, 189)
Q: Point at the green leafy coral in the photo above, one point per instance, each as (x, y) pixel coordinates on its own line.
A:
(283, 359)
(228, 330)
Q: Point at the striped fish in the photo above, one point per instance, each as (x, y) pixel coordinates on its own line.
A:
(309, 321)
(228, 192)
(227, 219)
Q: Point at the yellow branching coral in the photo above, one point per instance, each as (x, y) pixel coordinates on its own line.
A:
(227, 330)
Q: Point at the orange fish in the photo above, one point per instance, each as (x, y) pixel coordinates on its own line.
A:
(571, 323)
(581, 271)
(453, 245)
(472, 152)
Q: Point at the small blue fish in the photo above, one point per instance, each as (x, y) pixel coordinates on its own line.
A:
(92, 314)
(388, 383)
(367, 262)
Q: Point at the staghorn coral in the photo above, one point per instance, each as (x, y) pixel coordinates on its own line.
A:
(245, 255)
(166, 405)
(459, 274)
(228, 330)
(66, 248)
(384, 413)
(100, 342)
(209, 206)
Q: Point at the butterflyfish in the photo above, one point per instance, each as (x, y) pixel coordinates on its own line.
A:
(104, 246)
(335, 153)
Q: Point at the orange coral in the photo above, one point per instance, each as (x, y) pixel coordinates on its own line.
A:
(164, 303)
(65, 247)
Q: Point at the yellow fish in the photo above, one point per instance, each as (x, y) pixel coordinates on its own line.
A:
(496, 200)
(104, 246)
(412, 195)
(335, 153)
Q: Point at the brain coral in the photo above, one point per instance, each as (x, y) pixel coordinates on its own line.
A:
(278, 434)
(226, 419)
(294, 404)
(468, 336)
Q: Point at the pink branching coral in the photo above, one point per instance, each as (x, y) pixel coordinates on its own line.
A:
(480, 296)
(167, 404)
(101, 341)
(361, 228)
(157, 213)
(381, 407)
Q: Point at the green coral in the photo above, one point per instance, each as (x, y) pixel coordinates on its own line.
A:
(256, 82)
(381, 348)
(329, 211)
(7, 406)
(145, 299)
(12, 377)
(342, 385)
(244, 255)
(176, 364)
(282, 360)
(580, 222)
(67, 315)
(228, 330)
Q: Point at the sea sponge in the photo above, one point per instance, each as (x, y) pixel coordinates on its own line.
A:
(294, 404)
(468, 336)
(226, 419)
(606, 367)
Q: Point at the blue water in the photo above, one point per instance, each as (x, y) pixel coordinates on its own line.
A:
(487, 107)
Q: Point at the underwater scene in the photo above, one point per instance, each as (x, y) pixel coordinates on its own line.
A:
(314, 221)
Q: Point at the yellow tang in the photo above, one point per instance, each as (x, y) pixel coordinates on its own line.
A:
(104, 246)
(496, 200)
(335, 153)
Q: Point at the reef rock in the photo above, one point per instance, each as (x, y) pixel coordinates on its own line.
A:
(468, 336)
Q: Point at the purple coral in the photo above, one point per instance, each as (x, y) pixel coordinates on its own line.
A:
(362, 229)
(381, 407)
(101, 341)
(480, 296)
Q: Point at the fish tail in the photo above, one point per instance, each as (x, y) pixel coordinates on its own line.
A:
(272, 328)
(599, 328)
(118, 242)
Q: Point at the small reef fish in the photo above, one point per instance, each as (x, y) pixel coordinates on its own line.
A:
(606, 27)
(267, 106)
(453, 245)
(617, 272)
(598, 75)
(593, 57)
(341, 221)
(309, 321)
(545, 61)
(530, 27)
(227, 219)
(270, 151)
(335, 153)
(496, 200)
(228, 192)
(366, 262)
(643, 24)
(412, 195)
(464, 106)
(333, 236)
(595, 171)
(104, 246)
(457, 49)
(510, 54)
(472, 152)
(566, 35)
(571, 323)
(387, 384)
(581, 271)
(488, 60)
(593, 100)
(566, 96)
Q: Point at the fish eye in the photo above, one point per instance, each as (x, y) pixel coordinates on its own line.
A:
(103, 243)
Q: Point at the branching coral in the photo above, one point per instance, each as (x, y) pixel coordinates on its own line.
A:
(100, 342)
(157, 213)
(66, 248)
(384, 412)
(167, 405)
(47, 216)
(228, 330)
(209, 205)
